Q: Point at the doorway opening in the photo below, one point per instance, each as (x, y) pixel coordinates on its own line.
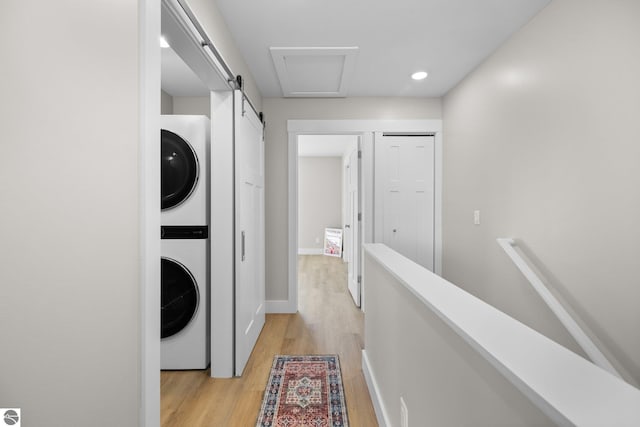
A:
(328, 201)
(367, 131)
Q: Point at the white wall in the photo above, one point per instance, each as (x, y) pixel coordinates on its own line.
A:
(69, 223)
(444, 382)
(166, 103)
(543, 139)
(319, 199)
(277, 112)
(196, 105)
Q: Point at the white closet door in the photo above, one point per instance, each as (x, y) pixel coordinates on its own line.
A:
(249, 229)
(404, 187)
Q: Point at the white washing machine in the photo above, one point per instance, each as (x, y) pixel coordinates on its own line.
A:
(185, 169)
(185, 317)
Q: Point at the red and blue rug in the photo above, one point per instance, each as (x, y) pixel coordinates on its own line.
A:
(304, 391)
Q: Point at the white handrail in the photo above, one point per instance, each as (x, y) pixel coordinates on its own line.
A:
(565, 318)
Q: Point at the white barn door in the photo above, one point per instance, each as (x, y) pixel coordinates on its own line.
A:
(404, 195)
(250, 244)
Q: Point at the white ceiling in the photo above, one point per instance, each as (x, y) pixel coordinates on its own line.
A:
(447, 38)
(325, 145)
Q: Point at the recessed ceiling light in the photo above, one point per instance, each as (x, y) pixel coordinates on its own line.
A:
(419, 75)
(163, 42)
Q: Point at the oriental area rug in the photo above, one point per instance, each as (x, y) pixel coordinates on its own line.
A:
(304, 391)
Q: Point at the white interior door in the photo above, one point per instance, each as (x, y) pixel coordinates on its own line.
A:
(346, 213)
(404, 192)
(250, 247)
(354, 226)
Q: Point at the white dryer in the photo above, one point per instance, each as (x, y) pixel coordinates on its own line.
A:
(185, 169)
(185, 332)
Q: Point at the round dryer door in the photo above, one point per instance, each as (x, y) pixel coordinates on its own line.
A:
(179, 169)
(179, 297)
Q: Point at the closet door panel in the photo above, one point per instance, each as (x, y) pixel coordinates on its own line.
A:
(249, 207)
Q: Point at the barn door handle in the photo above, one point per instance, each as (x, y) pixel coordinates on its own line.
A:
(242, 245)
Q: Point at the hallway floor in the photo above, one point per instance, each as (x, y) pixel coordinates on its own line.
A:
(327, 322)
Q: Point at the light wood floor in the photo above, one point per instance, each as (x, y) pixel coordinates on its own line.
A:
(327, 323)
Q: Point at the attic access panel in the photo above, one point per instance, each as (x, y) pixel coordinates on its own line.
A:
(314, 71)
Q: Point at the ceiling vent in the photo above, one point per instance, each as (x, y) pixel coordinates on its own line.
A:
(314, 71)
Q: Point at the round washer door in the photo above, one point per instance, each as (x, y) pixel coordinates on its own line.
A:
(179, 297)
(179, 169)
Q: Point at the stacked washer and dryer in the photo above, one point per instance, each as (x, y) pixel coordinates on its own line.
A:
(185, 310)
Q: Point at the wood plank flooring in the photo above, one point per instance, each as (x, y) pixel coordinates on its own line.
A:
(328, 322)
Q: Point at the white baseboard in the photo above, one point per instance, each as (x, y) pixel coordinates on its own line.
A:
(280, 306)
(309, 251)
(374, 392)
